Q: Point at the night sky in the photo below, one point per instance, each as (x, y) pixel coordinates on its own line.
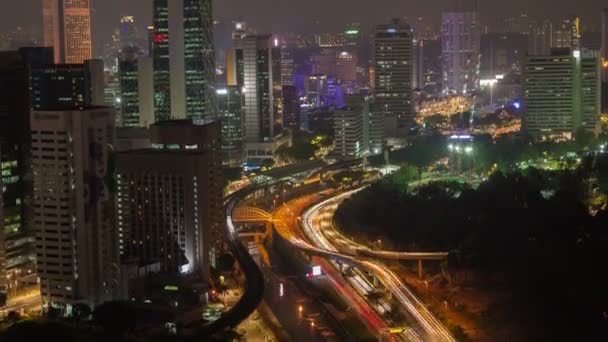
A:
(309, 15)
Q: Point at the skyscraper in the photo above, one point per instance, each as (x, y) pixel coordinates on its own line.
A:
(170, 197)
(604, 60)
(254, 66)
(67, 28)
(129, 87)
(460, 35)
(73, 207)
(351, 128)
(184, 59)
(567, 34)
(604, 51)
(291, 108)
(128, 32)
(15, 102)
(562, 94)
(67, 86)
(394, 71)
(540, 38)
(161, 58)
(230, 104)
(199, 59)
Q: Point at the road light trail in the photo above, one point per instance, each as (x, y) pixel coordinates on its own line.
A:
(434, 329)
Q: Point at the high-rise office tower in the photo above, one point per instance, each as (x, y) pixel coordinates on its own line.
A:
(604, 60)
(73, 207)
(128, 32)
(518, 25)
(316, 89)
(567, 34)
(291, 108)
(287, 67)
(346, 68)
(184, 60)
(418, 63)
(199, 59)
(460, 35)
(376, 128)
(230, 105)
(145, 86)
(604, 46)
(540, 38)
(67, 28)
(67, 86)
(161, 57)
(394, 70)
(18, 244)
(352, 34)
(170, 197)
(129, 87)
(254, 74)
(562, 94)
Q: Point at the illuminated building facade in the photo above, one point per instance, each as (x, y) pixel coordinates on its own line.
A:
(254, 74)
(170, 198)
(184, 60)
(199, 59)
(394, 71)
(567, 34)
(67, 86)
(17, 253)
(460, 35)
(230, 104)
(161, 61)
(562, 94)
(67, 28)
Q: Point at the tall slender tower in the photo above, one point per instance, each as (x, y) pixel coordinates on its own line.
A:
(605, 45)
(184, 59)
(394, 73)
(199, 59)
(160, 55)
(460, 53)
(67, 28)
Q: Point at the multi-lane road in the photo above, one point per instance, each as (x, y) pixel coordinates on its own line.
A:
(316, 223)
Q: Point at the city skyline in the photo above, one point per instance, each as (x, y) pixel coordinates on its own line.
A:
(270, 16)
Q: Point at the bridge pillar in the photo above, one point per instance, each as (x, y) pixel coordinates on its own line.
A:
(375, 281)
(420, 270)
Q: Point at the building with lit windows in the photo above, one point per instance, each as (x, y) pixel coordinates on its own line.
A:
(316, 88)
(73, 207)
(199, 57)
(567, 34)
(331, 40)
(184, 59)
(254, 74)
(67, 86)
(460, 35)
(561, 94)
(170, 198)
(17, 245)
(604, 57)
(540, 38)
(67, 28)
(230, 102)
(291, 108)
(394, 72)
(129, 89)
(351, 128)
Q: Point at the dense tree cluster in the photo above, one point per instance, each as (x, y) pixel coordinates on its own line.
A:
(529, 234)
